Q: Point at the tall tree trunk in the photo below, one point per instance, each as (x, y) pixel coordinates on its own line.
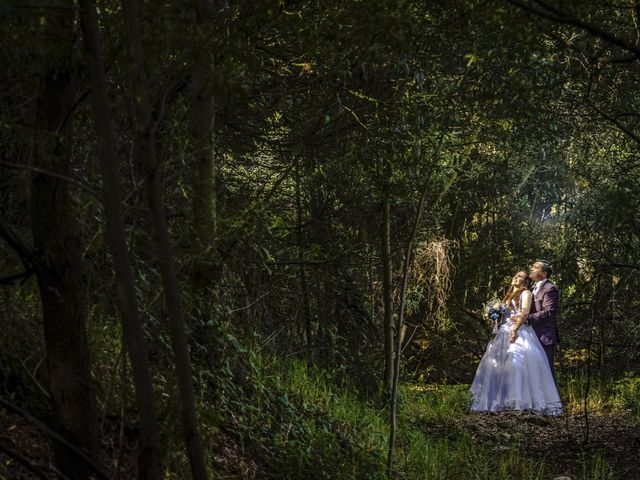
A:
(149, 465)
(595, 313)
(302, 274)
(399, 324)
(206, 268)
(146, 156)
(387, 287)
(324, 277)
(59, 266)
(403, 292)
(602, 331)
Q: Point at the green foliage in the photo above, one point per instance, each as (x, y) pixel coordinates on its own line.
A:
(318, 105)
(598, 470)
(296, 421)
(434, 402)
(442, 459)
(23, 375)
(627, 393)
(453, 453)
(573, 389)
(621, 396)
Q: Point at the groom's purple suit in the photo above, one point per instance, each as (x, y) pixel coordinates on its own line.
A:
(542, 317)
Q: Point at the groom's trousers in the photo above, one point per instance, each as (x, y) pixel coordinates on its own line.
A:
(550, 350)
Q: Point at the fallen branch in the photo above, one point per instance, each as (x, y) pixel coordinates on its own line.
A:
(56, 436)
(22, 460)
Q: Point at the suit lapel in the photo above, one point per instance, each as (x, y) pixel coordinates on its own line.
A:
(537, 298)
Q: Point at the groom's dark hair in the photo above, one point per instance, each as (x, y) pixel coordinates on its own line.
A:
(546, 267)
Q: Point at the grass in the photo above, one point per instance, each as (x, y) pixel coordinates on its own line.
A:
(454, 453)
(620, 396)
(304, 424)
(424, 457)
(572, 392)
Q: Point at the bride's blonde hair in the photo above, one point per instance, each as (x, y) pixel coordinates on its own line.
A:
(515, 292)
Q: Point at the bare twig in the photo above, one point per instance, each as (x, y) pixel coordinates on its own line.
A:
(32, 376)
(42, 171)
(249, 305)
(432, 272)
(22, 460)
(552, 13)
(616, 122)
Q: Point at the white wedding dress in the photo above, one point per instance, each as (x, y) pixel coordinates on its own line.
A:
(515, 376)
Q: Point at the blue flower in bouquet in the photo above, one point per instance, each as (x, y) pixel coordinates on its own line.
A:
(496, 312)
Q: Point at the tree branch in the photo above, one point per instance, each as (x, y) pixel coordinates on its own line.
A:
(12, 278)
(556, 15)
(22, 460)
(25, 253)
(42, 171)
(626, 130)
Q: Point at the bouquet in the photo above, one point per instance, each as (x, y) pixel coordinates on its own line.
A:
(496, 312)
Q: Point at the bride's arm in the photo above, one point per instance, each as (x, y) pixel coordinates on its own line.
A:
(522, 316)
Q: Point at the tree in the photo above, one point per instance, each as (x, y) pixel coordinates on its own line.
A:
(57, 252)
(149, 465)
(149, 164)
(206, 264)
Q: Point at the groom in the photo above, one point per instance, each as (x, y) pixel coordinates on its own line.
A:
(542, 316)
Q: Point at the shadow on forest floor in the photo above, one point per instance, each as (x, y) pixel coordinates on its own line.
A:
(559, 442)
(20, 439)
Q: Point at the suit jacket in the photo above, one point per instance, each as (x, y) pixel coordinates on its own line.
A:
(542, 315)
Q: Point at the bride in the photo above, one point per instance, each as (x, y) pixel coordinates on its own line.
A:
(514, 373)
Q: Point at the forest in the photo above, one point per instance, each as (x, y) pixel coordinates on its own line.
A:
(257, 239)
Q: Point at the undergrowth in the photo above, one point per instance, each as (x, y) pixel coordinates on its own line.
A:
(619, 396)
(295, 421)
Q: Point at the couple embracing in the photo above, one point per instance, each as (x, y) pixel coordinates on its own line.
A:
(516, 371)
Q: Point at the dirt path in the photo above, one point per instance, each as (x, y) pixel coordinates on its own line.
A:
(559, 441)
